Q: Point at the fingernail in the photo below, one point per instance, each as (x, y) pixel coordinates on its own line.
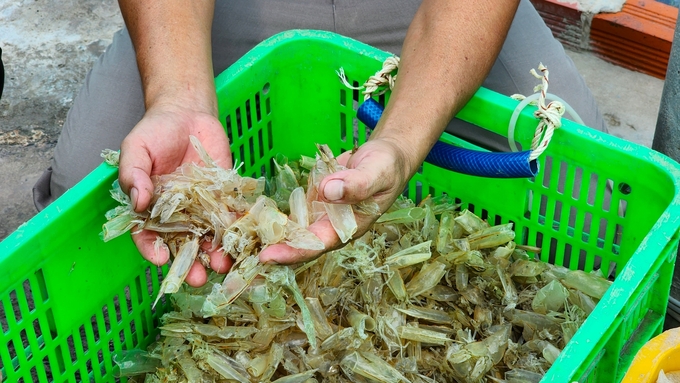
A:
(334, 190)
(133, 198)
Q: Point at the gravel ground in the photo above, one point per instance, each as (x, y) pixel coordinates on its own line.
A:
(48, 47)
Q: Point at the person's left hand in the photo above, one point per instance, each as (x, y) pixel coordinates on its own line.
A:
(377, 169)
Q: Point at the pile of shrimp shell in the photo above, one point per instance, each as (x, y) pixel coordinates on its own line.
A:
(429, 294)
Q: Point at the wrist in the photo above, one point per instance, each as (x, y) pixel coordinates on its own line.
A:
(406, 160)
(182, 96)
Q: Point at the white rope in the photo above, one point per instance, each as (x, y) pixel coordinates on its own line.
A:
(381, 78)
(550, 115)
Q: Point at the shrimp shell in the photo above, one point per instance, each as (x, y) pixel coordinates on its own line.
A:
(422, 335)
(361, 322)
(415, 298)
(225, 367)
(179, 268)
(342, 219)
(428, 277)
(299, 212)
(368, 366)
(302, 377)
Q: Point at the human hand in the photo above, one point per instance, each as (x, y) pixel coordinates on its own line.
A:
(377, 170)
(159, 144)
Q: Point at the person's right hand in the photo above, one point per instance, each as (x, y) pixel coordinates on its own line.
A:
(379, 169)
(159, 144)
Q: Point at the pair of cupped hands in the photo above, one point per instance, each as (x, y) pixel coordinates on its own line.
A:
(159, 143)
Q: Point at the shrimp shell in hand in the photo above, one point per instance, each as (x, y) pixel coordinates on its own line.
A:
(179, 268)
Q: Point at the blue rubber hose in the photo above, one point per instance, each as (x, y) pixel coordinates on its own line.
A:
(472, 162)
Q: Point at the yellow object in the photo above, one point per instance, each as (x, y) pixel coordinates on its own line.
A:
(660, 353)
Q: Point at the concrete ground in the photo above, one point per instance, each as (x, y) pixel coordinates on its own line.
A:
(47, 46)
(629, 101)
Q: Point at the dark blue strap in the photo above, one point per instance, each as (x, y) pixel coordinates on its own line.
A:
(460, 160)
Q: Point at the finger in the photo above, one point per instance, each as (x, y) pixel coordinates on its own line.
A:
(344, 157)
(197, 276)
(220, 155)
(134, 174)
(219, 261)
(286, 255)
(144, 241)
(212, 136)
(352, 186)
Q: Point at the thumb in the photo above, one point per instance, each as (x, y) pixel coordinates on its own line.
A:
(134, 175)
(352, 186)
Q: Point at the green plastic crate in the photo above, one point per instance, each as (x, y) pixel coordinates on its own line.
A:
(67, 299)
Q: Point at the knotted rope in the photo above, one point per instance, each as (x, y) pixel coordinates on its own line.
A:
(550, 115)
(381, 79)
